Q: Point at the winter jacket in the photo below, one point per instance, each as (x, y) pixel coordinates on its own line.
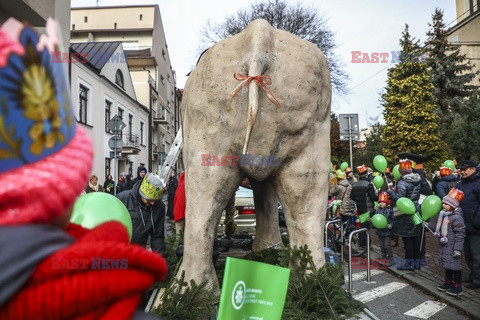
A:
(445, 184)
(471, 203)
(364, 196)
(387, 212)
(408, 186)
(456, 236)
(179, 202)
(342, 192)
(172, 187)
(146, 221)
(109, 186)
(425, 187)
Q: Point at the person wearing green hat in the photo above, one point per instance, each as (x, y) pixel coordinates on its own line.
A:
(147, 211)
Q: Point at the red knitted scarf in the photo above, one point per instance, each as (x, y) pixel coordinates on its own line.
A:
(80, 282)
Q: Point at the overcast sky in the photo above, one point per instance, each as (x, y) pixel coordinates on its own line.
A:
(367, 26)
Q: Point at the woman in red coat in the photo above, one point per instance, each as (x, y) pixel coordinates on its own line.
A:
(179, 205)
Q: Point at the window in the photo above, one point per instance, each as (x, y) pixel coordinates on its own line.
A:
(120, 113)
(107, 168)
(119, 78)
(130, 127)
(108, 113)
(141, 17)
(141, 133)
(83, 99)
(130, 167)
(163, 54)
(114, 25)
(85, 19)
(73, 26)
(162, 79)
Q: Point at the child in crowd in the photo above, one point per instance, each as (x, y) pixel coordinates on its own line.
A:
(451, 231)
(385, 235)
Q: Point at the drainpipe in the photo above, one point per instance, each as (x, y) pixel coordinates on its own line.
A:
(150, 122)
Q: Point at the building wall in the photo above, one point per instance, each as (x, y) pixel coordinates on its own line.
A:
(136, 34)
(36, 12)
(467, 33)
(101, 89)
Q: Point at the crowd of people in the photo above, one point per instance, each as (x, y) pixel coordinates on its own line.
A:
(457, 225)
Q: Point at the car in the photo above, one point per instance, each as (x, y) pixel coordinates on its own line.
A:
(245, 217)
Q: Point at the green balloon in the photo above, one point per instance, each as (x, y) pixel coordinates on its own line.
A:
(378, 182)
(380, 163)
(95, 208)
(449, 164)
(344, 166)
(396, 172)
(416, 219)
(379, 221)
(406, 206)
(431, 205)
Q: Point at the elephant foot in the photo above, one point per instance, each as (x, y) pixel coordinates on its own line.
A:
(199, 276)
(260, 244)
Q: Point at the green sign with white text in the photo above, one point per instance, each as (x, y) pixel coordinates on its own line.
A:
(252, 291)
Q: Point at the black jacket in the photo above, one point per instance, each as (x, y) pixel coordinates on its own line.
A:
(471, 202)
(146, 221)
(363, 193)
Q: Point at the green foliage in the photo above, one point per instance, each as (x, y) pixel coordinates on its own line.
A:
(450, 74)
(315, 293)
(465, 130)
(195, 302)
(411, 121)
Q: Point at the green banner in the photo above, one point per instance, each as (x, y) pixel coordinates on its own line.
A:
(252, 291)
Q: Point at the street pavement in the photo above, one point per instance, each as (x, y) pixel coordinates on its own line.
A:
(398, 294)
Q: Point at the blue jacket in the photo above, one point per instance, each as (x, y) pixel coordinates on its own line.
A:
(445, 184)
(471, 203)
(387, 212)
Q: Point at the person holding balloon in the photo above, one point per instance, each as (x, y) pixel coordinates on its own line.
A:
(385, 234)
(451, 233)
(408, 186)
(364, 196)
(51, 268)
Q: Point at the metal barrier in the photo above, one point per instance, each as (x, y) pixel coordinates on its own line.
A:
(341, 235)
(350, 284)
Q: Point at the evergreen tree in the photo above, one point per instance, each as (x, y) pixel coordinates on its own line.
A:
(450, 73)
(465, 128)
(409, 108)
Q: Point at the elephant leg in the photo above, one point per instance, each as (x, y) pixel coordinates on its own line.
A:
(302, 188)
(266, 210)
(207, 192)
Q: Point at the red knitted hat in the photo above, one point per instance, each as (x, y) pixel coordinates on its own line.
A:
(45, 158)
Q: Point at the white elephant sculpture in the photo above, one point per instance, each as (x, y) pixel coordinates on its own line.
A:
(287, 121)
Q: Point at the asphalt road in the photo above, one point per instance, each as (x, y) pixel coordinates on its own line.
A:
(389, 297)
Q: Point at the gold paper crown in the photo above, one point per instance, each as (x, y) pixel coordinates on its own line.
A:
(405, 164)
(445, 171)
(383, 197)
(456, 194)
(362, 169)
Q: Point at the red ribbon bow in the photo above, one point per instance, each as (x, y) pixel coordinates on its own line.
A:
(262, 82)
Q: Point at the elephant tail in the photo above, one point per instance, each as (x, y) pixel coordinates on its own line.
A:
(261, 43)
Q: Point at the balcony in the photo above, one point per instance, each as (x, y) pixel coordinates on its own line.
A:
(131, 143)
(160, 118)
